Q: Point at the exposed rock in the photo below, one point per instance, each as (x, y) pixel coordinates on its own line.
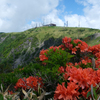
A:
(94, 36)
(27, 52)
(3, 38)
(33, 48)
(17, 62)
(13, 37)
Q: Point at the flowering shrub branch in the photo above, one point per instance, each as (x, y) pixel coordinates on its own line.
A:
(72, 62)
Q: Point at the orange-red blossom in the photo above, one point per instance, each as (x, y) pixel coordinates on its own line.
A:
(30, 82)
(80, 81)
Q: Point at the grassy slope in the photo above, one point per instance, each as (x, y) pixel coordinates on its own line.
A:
(15, 39)
(56, 32)
(93, 41)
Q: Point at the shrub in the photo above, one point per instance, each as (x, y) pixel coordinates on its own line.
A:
(55, 56)
(68, 65)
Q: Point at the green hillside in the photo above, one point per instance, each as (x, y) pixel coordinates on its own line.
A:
(20, 48)
(21, 63)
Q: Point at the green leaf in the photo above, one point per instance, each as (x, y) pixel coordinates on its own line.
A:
(88, 94)
(9, 99)
(95, 95)
(80, 98)
(1, 97)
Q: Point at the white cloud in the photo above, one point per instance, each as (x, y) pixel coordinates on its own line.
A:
(76, 20)
(19, 15)
(52, 17)
(15, 14)
(91, 12)
(90, 18)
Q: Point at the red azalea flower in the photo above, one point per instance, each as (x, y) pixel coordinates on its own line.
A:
(10, 92)
(74, 50)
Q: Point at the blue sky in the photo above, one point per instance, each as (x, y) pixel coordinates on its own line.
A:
(20, 15)
(71, 7)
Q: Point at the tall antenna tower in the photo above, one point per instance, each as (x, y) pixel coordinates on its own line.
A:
(66, 24)
(43, 22)
(36, 24)
(39, 24)
(79, 24)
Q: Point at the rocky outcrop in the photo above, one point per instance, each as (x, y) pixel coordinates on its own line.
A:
(94, 36)
(28, 49)
(3, 38)
(31, 52)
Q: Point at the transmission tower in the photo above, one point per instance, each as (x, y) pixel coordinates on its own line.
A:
(43, 23)
(66, 24)
(79, 24)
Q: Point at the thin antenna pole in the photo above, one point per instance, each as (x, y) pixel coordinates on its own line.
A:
(79, 22)
(36, 25)
(67, 23)
(43, 22)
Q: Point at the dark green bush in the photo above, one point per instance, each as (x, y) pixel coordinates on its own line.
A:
(57, 58)
(49, 71)
(12, 77)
